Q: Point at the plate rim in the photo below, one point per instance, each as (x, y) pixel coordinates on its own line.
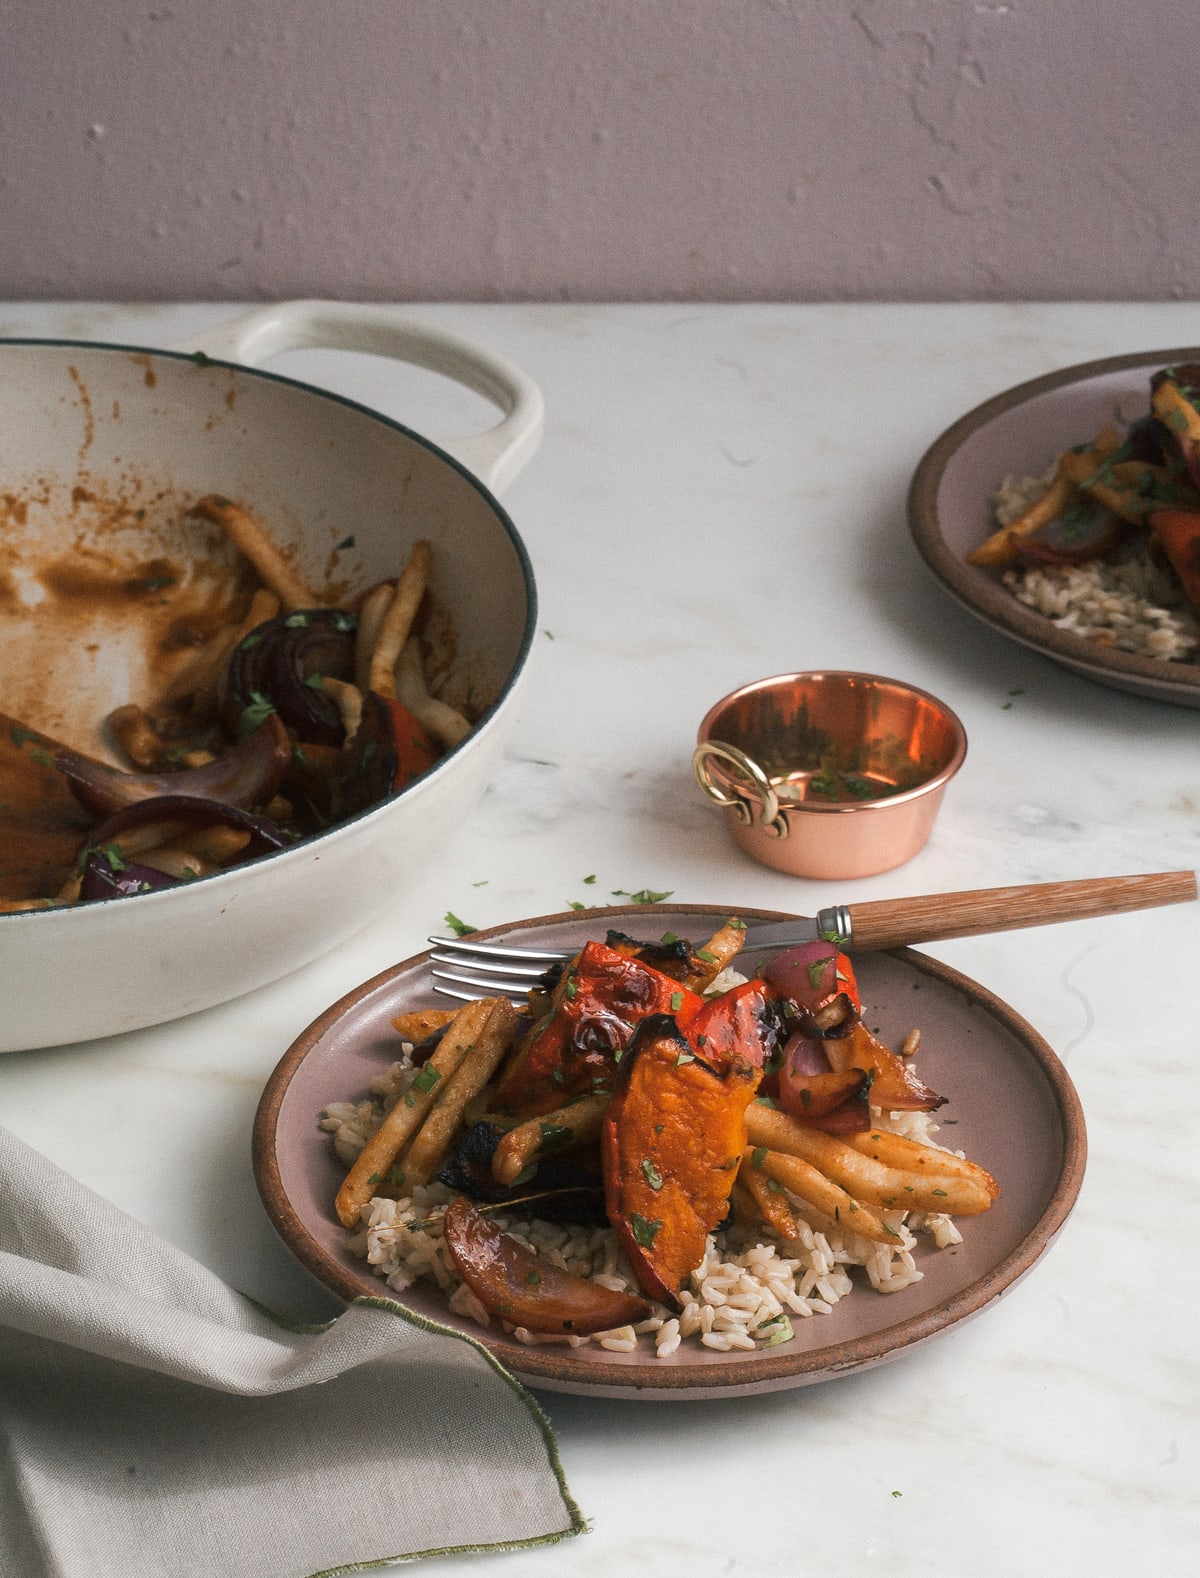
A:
(974, 588)
(568, 1369)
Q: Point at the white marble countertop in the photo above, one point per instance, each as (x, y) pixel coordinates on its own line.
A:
(720, 496)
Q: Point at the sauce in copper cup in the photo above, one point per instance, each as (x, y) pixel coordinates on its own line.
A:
(829, 774)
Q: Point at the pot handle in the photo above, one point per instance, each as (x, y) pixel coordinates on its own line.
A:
(495, 456)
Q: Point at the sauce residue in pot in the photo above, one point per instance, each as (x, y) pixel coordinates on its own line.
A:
(41, 823)
(104, 599)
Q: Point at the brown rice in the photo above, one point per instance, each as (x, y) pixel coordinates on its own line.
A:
(1127, 601)
(745, 1294)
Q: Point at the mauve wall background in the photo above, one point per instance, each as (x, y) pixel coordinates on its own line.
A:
(598, 149)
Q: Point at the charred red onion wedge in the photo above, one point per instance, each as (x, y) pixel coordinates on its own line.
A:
(894, 1088)
(248, 775)
(818, 979)
(1083, 532)
(282, 664)
(186, 811)
(525, 1289)
(106, 875)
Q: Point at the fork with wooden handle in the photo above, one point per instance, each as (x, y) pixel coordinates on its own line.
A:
(874, 925)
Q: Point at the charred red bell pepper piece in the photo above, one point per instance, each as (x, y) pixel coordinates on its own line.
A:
(389, 749)
(526, 1289)
(575, 1048)
(672, 1140)
(742, 1025)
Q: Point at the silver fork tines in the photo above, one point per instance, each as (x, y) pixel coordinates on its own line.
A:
(487, 969)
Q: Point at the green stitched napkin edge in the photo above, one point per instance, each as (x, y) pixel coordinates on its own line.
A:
(578, 1523)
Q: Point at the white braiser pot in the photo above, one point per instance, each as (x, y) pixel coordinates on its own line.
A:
(320, 469)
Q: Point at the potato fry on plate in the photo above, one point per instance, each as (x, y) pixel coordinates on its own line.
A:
(946, 1188)
(553, 1131)
(382, 1151)
(811, 1186)
(491, 1039)
(770, 1202)
(717, 954)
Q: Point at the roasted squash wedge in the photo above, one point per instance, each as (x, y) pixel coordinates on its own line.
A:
(671, 1146)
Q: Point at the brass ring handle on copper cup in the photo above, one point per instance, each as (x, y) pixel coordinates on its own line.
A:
(759, 790)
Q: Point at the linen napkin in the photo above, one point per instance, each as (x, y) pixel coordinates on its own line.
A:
(153, 1421)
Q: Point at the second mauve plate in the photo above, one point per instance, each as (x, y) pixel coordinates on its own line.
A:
(1011, 1103)
(1020, 432)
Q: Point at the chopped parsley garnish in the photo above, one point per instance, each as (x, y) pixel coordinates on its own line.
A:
(676, 1002)
(346, 542)
(651, 1173)
(534, 1278)
(427, 1078)
(296, 622)
(554, 1135)
(685, 1057)
(642, 896)
(644, 1230)
(255, 715)
(758, 1155)
(590, 879)
(458, 927)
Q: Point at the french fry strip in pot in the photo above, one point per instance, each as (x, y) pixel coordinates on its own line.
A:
(252, 540)
(444, 722)
(137, 737)
(553, 1131)
(348, 700)
(370, 618)
(491, 1040)
(398, 620)
(382, 1150)
(201, 677)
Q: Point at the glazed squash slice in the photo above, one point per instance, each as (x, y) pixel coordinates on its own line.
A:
(671, 1145)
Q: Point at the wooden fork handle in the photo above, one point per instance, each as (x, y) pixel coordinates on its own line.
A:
(894, 923)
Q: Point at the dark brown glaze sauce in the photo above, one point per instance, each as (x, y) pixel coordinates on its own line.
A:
(122, 586)
(41, 824)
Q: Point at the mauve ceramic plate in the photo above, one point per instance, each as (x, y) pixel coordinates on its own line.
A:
(1012, 1106)
(1021, 432)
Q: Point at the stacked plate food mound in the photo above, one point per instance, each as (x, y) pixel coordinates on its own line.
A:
(1106, 542)
(658, 1149)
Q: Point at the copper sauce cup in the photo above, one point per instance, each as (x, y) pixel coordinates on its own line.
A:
(829, 775)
